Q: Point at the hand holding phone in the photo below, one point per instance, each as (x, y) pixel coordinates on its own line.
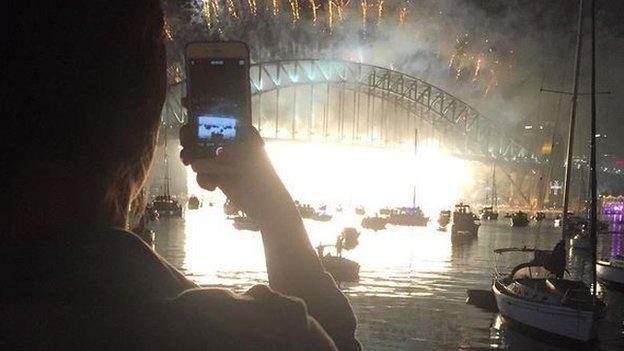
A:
(218, 95)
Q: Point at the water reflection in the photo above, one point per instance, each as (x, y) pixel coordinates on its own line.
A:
(412, 291)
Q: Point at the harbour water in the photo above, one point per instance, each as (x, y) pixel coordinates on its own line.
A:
(412, 291)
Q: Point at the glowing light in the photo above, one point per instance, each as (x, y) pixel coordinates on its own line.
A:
(276, 7)
(253, 7)
(380, 4)
(294, 9)
(402, 15)
(337, 174)
(364, 7)
(314, 9)
(231, 8)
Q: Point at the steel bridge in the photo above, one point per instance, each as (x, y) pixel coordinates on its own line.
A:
(356, 103)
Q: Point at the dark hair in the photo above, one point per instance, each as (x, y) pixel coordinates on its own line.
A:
(83, 87)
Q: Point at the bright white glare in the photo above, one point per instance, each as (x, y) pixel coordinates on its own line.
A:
(346, 175)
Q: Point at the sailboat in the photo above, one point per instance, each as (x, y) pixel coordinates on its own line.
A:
(489, 213)
(165, 205)
(535, 294)
(611, 272)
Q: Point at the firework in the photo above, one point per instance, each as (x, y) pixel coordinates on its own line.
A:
(276, 7)
(402, 15)
(231, 8)
(294, 7)
(364, 7)
(253, 7)
(314, 8)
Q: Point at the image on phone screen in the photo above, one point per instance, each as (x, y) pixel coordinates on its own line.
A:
(215, 128)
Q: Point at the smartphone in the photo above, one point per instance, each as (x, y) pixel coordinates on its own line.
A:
(218, 96)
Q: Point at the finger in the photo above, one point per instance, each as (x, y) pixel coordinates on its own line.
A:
(186, 135)
(207, 181)
(215, 167)
(185, 156)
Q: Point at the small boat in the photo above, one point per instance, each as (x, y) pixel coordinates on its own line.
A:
(611, 272)
(408, 216)
(519, 219)
(374, 222)
(166, 206)
(244, 222)
(321, 216)
(534, 295)
(305, 210)
(193, 203)
(539, 216)
(444, 219)
(488, 214)
(464, 223)
(340, 268)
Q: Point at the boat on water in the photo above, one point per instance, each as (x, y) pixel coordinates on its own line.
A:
(375, 222)
(444, 219)
(487, 213)
(321, 216)
(408, 216)
(464, 224)
(611, 272)
(519, 219)
(305, 210)
(539, 216)
(166, 206)
(535, 295)
(193, 203)
(340, 268)
(244, 222)
(360, 211)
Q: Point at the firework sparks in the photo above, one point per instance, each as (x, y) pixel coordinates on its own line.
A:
(402, 15)
(330, 15)
(210, 10)
(364, 7)
(294, 8)
(380, 5)
(167, 31)
(314, 7)
(231, 8)
(276, 7)
(253, 7)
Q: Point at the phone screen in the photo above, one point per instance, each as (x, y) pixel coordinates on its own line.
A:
(219, 91)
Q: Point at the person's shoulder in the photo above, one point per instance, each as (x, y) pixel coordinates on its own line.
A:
(260, 316)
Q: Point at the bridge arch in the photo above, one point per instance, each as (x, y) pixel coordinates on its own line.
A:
(350, 102)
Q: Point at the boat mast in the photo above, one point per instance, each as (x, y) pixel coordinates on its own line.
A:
(416, 155)
(592, 155)
(167, 190)
(568, 165)
(494, 191)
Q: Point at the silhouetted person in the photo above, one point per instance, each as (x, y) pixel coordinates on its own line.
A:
(557, 261)
(83, 87)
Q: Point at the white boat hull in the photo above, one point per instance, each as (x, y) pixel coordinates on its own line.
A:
(609, 273)
(566, 322)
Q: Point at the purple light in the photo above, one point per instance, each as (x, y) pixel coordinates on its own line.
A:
(616, 207)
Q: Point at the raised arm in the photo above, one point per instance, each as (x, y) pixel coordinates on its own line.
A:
(245, 174)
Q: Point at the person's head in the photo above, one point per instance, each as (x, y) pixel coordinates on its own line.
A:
(83, 87)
